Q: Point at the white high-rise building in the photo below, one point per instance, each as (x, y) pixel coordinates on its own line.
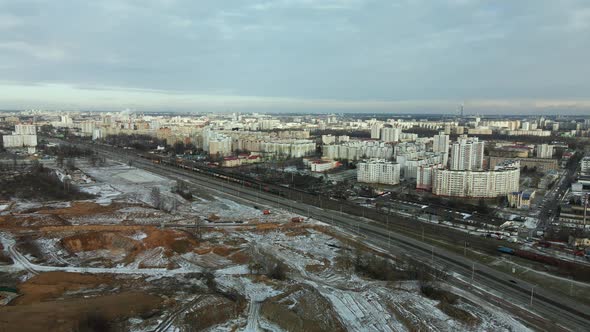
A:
(467, 154)
(544, 151)
(220, 145)
(378, 171)
(389, 134)
(376, 130)
(585, 166)
(22, 136)
(442, 143)
(21, 129)
(466, 183)
(425, 176)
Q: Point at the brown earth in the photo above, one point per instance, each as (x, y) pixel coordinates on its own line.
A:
(172, 241)
(213, 310)
(128, 229)
(31, 221)
(99, 240)
(51, 285)
(240, 258)
(82, 209)
(223, 251)
(312, 312)
(65, 315)
(267, 227)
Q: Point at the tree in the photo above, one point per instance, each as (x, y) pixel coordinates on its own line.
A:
(71, 164)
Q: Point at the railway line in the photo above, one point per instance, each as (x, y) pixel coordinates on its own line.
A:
(562, 311)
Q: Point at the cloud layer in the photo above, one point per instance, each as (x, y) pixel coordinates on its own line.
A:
(288, 54)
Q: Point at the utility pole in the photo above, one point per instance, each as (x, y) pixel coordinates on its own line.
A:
(432, 252)
(465, 249)
(389, 238)
(422, 233)
(532, 293)
(472, 273)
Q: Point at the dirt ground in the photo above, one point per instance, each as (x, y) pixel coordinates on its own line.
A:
(59, 301)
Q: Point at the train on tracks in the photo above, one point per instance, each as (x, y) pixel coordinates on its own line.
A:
(214, 171)
(545, 259)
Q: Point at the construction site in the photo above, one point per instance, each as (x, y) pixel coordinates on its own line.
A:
(135, 255)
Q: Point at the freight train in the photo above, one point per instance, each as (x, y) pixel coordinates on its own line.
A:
(549, 260)
(219, 173)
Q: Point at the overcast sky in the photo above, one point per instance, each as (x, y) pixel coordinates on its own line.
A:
(510, 56)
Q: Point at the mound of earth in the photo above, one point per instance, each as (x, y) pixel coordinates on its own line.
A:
(301, 308)
(100, 240)
(213, 310)
(163, 242)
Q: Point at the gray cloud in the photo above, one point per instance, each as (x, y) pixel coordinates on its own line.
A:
(346, 51)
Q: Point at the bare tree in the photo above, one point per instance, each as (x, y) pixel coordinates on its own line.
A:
(71, 164)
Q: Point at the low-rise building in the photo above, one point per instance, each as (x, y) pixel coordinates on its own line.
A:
(521, 199)
(541, 164)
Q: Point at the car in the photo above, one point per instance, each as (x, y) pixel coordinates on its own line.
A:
(512, 281)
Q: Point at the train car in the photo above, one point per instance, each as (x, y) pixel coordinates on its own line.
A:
(506, 250)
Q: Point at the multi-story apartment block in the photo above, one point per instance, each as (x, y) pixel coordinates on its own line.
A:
(544, 151)
(442, 143)
(378, 171)
(425, 176)
(466, 183)
(24, 136)
(585, 165)
(467, 154)
(389, 134)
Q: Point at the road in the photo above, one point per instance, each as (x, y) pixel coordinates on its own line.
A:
(553, 198)
(563, 312)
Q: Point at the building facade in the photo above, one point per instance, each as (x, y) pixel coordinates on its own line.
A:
(477, 184)
(467, 154)
(378, 171)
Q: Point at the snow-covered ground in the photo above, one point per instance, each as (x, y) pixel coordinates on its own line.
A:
(122, 181)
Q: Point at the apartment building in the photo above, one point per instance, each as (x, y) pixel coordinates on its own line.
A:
(467, 154)
(378, 171)
(477, 184)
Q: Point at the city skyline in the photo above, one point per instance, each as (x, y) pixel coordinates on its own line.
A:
(296, 55)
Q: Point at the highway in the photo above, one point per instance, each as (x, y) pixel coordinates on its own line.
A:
(554, 312)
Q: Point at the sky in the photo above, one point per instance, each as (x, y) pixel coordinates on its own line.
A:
(406, 56)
